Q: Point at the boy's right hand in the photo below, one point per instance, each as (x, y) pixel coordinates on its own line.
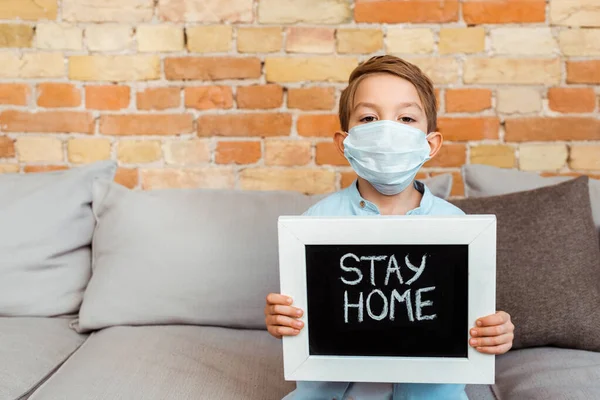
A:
(281, 318)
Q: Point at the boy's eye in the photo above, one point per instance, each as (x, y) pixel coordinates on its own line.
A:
(407, 120)
(368, 118)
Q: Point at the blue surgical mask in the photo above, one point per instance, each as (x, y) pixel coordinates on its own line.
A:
(387, 154)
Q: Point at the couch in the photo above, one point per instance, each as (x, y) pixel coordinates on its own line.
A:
(107, 293)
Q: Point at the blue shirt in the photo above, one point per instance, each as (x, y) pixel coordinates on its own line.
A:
(349, 202)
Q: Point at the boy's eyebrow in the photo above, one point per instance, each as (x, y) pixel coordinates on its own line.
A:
(401, 105)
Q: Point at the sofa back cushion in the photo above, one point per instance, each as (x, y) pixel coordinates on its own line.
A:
(183, 256)
(548, 264)
(46, 227)
(485, 180)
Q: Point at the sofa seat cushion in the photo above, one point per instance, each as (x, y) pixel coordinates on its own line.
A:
(171, 362)
(548, 373)
(30, 350)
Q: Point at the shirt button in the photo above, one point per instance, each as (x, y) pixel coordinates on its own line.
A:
(362, 204)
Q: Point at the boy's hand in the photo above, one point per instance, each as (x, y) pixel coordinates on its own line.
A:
(493, 334)
(281, 317)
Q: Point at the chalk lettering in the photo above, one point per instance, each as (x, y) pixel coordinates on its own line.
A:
(384, 310)
(351, 269)
(420, 304)
(359, 306)
(405, 298)
(395, 269)
(418, 271)
(373, 259)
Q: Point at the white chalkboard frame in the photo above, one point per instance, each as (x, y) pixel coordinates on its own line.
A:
(477, 231)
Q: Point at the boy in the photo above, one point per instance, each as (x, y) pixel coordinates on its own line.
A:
(385, 113)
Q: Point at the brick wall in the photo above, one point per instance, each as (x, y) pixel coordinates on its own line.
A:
(243, 93)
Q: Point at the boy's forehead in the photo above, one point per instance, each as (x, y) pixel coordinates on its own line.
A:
(386, 89)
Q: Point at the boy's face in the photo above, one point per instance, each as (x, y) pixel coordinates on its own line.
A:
(384, 96)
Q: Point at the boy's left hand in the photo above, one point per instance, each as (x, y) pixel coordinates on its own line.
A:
(493, 334)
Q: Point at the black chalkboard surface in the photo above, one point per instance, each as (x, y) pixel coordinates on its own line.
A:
(387, 300)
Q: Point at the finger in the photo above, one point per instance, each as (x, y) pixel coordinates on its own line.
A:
(495, 349)
(273, 331)
(282, 320)
(284, 310)
(492, 341)
(276, 298)
(283, 331)
(493, 330)
(495, 319)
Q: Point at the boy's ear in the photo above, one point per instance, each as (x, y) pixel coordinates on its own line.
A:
(435, 140)
(338, 140)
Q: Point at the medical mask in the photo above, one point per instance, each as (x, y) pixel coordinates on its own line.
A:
(387, 154)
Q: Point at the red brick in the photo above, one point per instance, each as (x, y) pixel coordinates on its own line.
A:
(107, 97)
(7, 147)
(208, 97)
(468, 100)
(413, 11)
(58, 95)
(314, 98)
(47, 121)
(287, 152)
(327, 154)
(458, 184)
(572, 100)
(465, 129)
(157, 124)
(263, 124)
(259, 96)
(583, 71)
(14, 94)
(301, 39)
(158, 98)
(44, 168)
(539, 128)
(450, 155)
(128, 177)
(477, 12)
(212, 68)
(238, 152)
(323, 125)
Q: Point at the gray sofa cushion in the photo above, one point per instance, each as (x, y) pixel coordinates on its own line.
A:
(548, 373)
(30, 350)
(485, 180)
(45, 234)
(480, 392)
(203, 257)
(171, 362)
(548, 268)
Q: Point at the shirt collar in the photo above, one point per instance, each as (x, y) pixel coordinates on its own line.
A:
(365, 206)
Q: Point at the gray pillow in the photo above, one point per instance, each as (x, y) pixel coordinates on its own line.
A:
(485, 180)
(45, 236)
(184, 256)
(440, 185)
(548, 264)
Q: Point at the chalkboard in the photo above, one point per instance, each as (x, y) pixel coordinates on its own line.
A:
(387, 300)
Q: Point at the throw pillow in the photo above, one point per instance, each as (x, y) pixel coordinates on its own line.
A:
(484, 180)
(548, 268)
(45, 236)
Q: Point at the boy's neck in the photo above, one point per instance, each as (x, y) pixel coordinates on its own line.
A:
(398, 204)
